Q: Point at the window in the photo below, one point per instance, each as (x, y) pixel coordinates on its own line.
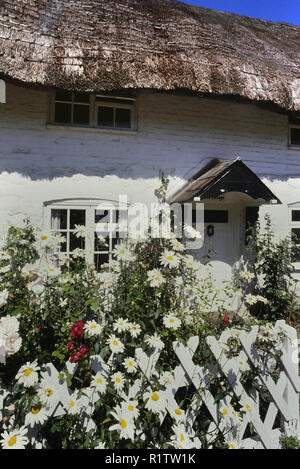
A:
(99, 221)
(295, 232)
(96, 111)
(294, 132)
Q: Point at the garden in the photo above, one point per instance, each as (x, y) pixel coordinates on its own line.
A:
(143, 354)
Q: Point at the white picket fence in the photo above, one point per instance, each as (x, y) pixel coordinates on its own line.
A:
(281, 418)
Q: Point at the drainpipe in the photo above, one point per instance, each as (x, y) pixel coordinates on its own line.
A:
(2, 92)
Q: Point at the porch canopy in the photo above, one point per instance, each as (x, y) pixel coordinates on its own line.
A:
(225, 177)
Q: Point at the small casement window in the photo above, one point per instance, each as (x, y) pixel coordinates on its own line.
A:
(98, 222)
(295, 234)
(72, 108)
(96, 111)
(294, 132)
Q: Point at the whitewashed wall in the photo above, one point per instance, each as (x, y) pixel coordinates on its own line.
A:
(176, 134)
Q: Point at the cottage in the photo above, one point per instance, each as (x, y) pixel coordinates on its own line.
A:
(99, 98)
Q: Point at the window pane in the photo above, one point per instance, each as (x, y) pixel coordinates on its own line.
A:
(81, 98)
(75, 242)
(63, 96)
(296, 235)
(295, 136)
(99, 246)
(123, 118)
(295, 215)
(77, 217)
(215, 216)
(102, 216)
(63, 113)
(81, 114)
(115, 100)
(100, 259)
(106, 116)
(59, 219)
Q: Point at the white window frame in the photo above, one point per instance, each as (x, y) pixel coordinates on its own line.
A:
(291, 145)
(94, 103)
(91, 226)
(294, 225)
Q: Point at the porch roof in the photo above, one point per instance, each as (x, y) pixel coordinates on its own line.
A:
(224, 177)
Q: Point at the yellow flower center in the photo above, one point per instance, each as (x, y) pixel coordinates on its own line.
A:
(72, 403)
(131, 408)
(155, 397)
(118, 380)
(181, 437)
(49, 392)
(12, 441)
(232, 446)
(123, 423)
(172, 321)
(99, 380)
(116, 342)
(93, 326)
(248, 407)
(35, 410)
(44, 238)
(225, 412)
(178, 412)
(122, 251)
(170, 258)
(27, 372)
(130, 363)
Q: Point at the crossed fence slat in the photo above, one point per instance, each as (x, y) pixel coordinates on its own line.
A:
(284, 394)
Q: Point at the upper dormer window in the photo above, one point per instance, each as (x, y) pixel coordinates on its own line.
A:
(294, 132)
(90, 110)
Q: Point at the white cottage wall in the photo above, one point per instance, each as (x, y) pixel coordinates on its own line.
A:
(176, 135)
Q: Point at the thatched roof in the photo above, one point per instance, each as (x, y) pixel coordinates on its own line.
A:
(102, 45)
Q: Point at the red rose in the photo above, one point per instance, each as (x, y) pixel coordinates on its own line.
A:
(78, 356)
(83, 350)
(77, 330)
(71, 346)
(227, 319)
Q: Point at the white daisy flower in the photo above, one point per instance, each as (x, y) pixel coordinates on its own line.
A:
(262, 299)
(171, 321)
(155, 342)
(92, 328)
(125, 425)
(134, 329)
(191, 263)
(115, 344)
(53, 271)
(250, 299)
(181, 439)
(14, 439)
(178, 414)
(156, 401)
(74, 405)
(177, 245)
(130, 364)
(169, 259)
(120, 325)
(38, 415)
(80, 231)
(47, 393)
(247, 276)
(156, 278)
(233, 445)
(122, 253)
(28, 374)
(166, 379)
(118, 381)
(131, 407)
(247, 407)
(99, 382)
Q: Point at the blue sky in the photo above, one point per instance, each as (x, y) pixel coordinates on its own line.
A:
(287, 11)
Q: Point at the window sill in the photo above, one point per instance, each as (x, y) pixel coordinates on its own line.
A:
(294, 147)
(99, 130)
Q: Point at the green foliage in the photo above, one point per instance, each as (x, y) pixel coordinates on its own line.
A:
(273, 263)
(290, 442)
